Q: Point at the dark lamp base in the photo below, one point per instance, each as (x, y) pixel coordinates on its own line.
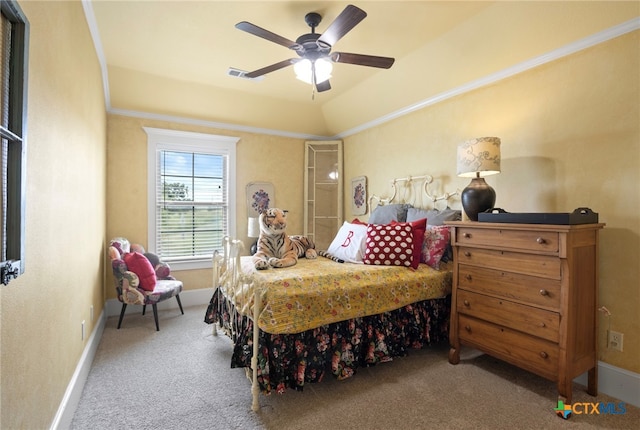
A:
(477, 197)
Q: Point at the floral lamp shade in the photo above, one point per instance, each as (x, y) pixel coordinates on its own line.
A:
(479, 157)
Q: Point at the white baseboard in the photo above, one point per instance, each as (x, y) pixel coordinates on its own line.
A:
(69, 403)
(616, 382)
(71, 398)
(613, 381)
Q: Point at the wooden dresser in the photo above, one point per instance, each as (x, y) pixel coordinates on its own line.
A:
(528, 294)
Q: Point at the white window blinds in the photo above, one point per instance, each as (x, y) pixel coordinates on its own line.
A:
(191, 210)
(191, 194)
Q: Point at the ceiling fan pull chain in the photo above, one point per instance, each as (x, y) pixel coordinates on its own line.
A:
(313, 80)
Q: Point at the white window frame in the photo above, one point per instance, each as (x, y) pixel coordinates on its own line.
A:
(174, 140)
(13, 130)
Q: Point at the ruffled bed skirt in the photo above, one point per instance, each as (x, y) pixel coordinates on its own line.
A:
(291, 360)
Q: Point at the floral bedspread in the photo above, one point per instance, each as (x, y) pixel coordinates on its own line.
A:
(338, 349)
(317, 292)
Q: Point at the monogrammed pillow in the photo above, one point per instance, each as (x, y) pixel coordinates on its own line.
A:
(389, 245)
(348, 245)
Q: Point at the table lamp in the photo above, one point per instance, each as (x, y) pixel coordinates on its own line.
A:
(253, 231)
(478, 158)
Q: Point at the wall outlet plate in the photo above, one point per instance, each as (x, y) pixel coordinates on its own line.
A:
(614, 340)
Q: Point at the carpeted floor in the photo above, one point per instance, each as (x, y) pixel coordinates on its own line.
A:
(180, 378)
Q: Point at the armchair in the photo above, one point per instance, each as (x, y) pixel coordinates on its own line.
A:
(141, 278)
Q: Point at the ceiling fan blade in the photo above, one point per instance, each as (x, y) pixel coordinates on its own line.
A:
(323, 86)
(348, 18)
(266, 34)
(363, 60)
(271, 68)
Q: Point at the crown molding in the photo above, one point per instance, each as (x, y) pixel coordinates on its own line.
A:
(587, 42)
(214, 124)
(97, 43)
(556, 54)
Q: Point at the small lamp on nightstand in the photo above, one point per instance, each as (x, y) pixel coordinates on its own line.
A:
(478, 158)
(253, 231)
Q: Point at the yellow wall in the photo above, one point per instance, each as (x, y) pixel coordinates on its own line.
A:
(133, 90)
(258, 158)
(497, 37)
(42, 310)
(570, 135)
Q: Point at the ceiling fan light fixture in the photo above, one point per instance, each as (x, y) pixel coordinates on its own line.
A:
(303, 70)
(316, 59)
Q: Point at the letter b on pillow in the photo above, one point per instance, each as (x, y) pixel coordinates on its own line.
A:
(349, 244)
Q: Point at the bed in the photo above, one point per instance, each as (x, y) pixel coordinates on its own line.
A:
(296, 325)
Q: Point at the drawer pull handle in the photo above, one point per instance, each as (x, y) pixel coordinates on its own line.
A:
(542, 325)
(541, 240)
(544, 292)
(466, 235)
(468, 277)
(543, 354)
(467, 328)
(466, 303)
(467, 254)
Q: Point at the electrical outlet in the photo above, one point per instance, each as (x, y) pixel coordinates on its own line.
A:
(82, 338)
(615, 340)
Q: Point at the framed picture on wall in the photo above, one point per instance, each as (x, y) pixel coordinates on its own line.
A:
(359, 195)
(260, 196)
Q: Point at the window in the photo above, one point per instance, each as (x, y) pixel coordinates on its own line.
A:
(14, 29)
(191, 195)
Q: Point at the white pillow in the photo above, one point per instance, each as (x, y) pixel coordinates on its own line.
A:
(350, 243)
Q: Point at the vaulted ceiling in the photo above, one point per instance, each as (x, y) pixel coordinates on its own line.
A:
(172, 57)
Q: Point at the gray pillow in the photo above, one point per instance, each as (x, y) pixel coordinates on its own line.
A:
(434, 217)
(386, 214)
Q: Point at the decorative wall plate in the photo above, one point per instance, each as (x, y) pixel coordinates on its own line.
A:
(359, 195)
(260, 196)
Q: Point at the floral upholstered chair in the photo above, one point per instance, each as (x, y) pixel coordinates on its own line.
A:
(141, 278)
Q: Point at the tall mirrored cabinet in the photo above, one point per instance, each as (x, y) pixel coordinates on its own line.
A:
(322, 191)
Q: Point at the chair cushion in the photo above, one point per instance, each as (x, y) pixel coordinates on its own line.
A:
(140, 265)
(165, 289)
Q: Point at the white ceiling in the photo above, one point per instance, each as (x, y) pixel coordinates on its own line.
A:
(198, 42)
(438, 46)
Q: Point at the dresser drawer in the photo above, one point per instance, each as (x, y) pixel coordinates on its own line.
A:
(545, 266)
(530, 320)
(524, 240)
(528, 352)
(531, 290)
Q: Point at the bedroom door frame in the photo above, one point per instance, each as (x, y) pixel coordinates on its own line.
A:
(323, 191)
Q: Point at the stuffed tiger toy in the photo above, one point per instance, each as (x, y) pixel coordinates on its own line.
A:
(275, 248)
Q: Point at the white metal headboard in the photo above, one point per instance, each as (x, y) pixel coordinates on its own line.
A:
(408, 182)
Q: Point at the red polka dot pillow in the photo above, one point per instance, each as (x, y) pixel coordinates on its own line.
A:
(389, 245)
(418, 228)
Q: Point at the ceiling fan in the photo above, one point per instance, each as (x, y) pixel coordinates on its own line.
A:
(314, 49)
